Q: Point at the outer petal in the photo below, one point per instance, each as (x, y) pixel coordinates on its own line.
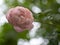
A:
(18, 29)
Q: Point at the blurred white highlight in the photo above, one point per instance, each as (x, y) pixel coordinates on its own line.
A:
(36, 41)
(3, 7)
(59, 43)
(36, 9)
(58, 1)
(1, 13)
(33, 41)
(32, 33)
(1, 2)
(20, 42)
(3, 20)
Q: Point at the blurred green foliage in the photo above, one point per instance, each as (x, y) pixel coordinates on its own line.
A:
(49, 19)
(10, 36)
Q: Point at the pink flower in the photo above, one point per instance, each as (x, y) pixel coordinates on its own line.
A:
(21, 18)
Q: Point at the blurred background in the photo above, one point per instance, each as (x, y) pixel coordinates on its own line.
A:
(46, 30)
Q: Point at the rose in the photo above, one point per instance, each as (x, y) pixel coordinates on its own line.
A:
(21, 18)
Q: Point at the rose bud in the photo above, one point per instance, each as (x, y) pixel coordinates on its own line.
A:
(21, 18)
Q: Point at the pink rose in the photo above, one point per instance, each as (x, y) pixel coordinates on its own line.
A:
(21, 18)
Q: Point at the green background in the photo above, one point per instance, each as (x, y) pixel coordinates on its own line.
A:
(49, 19)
